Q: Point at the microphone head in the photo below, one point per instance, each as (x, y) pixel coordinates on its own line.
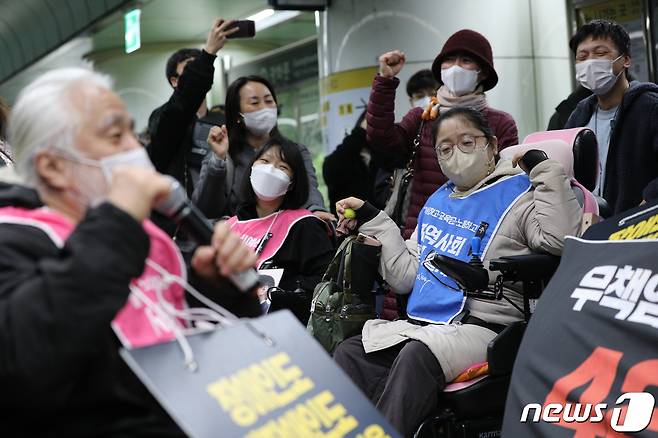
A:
(175, 201)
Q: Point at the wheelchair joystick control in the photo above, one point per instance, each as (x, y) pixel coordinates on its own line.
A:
(476, 242)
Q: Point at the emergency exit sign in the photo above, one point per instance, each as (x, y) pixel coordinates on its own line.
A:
(132, 31)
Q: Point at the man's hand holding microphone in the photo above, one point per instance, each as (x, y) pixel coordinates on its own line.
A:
(138, 190)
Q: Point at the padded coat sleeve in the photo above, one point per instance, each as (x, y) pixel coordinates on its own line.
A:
(554, 212)
(210, 194)
(384, 135)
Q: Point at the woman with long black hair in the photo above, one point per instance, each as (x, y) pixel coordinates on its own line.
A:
(251, 121)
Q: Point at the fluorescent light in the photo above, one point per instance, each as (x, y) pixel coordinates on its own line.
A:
(309, 118)
(258, 16)
(277, 17)
(269, 17)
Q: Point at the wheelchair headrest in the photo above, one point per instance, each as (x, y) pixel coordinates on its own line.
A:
(585, 152)
(557, 150)
(564, 153)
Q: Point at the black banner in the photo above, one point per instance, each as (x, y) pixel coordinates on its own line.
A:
(592, 339)
(638, 223)
(264, 377)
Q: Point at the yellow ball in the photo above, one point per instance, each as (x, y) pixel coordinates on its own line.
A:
(349, 213)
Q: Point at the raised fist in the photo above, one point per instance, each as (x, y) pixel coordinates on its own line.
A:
(391, 63)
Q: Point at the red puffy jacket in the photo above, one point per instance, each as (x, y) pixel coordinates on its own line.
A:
(396, 141)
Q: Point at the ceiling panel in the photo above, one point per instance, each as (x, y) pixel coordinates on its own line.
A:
(30, 29)
(173, 21)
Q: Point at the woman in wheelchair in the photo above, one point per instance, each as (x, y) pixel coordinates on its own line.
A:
(403, 365)
(286, 236)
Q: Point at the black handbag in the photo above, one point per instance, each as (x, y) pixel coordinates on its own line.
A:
(398, 203)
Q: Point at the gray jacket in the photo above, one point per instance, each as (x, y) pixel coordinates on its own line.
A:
(218, 192)
(539, 221)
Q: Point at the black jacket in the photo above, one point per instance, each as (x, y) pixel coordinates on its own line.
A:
(60, 371)
(346, 173)
(304, 257)
(171, 127)
(650, 192)
(566, 107)
(633, 154)
(178, 143)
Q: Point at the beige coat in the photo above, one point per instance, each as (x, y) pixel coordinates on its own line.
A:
(538, 222)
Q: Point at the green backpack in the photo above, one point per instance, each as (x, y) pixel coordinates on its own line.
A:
(337, 311)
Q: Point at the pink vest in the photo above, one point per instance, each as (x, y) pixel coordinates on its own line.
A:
(139, 322)
(279, 224)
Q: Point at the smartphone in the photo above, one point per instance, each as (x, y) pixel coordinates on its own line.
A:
(247, 29)
(368, 240)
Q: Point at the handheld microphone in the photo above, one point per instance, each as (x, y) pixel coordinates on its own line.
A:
(178, 208)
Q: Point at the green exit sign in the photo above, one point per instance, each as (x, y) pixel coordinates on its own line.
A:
(132, 32)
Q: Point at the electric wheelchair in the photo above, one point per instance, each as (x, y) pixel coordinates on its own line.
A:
(475, 408)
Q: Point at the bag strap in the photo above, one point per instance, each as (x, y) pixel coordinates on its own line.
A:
(346, 271)
(334, 266)
(406, 177)
(414, 151)
(399, 202)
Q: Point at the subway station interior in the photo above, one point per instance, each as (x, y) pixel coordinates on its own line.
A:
(339, 218)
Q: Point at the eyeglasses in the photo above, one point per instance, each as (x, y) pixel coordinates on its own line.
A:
(467, 144)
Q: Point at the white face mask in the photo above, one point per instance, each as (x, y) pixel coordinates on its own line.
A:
(90, 190)
(135, 157)
(423, 102)
(260, 122)
(269, 182)
(459, 80)
(597, 75)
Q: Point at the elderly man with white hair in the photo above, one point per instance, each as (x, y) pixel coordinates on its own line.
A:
(81, 266)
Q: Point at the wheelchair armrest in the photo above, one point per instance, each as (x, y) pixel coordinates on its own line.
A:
(467, 276)
(529, 267)
(534, 271)
(502, 350)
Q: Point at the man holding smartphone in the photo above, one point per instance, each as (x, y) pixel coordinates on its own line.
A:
(179, 128)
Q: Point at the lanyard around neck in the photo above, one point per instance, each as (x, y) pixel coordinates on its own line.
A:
(267, 236)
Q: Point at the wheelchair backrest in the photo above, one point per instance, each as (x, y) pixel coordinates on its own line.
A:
(585, 152)
(585, 158)
(561, 151)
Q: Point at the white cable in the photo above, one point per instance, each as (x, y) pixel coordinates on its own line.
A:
(167, 312)
(226, 316)
(190, 314)
(186, 348)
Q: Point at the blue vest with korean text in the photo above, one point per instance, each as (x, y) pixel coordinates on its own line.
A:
(446, 226)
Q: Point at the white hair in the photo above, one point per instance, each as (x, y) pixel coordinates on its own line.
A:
(45, 115)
